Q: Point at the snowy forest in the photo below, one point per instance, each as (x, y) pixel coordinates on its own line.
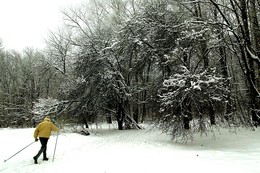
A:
(181, 65)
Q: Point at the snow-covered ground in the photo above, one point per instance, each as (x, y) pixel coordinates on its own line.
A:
(133, 151)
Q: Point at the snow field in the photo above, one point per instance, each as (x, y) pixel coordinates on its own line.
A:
(133, 151)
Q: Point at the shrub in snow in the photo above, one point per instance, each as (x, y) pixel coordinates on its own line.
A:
(191, 102)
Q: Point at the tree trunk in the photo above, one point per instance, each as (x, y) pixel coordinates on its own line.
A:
(144, 106)
(135, 113)
(255, 49)
(187, 112)
(186, 122)
(186, 102)
(212, 114)
(223, 63)
(135, 103)
(146, 80)
(120, 116)
(204, 53)
(251, 77)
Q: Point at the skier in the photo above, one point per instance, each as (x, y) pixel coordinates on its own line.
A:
(43, 130)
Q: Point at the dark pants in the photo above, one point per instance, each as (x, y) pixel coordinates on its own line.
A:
(43, 149)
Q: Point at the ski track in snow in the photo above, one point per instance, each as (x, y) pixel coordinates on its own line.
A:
(133, 151)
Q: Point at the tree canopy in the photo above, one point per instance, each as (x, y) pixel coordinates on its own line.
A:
(186, 66)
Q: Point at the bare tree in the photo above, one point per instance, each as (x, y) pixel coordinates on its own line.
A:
(242, 35)
(59, 47)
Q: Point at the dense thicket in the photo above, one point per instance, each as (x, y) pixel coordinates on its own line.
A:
(184, 65)
(25, 77)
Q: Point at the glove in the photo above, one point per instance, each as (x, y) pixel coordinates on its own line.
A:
(36, 139)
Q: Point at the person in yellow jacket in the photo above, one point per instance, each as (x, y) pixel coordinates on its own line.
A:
(43, 131)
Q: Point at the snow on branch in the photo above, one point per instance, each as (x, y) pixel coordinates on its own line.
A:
(45, 107)
(110, 47)
(191, 2)
(255, 57)
(206, 84)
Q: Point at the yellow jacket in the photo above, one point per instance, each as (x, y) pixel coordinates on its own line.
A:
(43, 130)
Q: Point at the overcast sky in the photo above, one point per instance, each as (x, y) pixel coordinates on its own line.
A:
(25, 23)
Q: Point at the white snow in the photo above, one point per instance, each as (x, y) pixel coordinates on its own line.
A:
(133, 151)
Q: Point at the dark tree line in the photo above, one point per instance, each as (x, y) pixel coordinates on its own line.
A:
(190, 65)
(184, 65)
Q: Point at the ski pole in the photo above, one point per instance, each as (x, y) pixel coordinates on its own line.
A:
(19, 151)
(55, 147)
